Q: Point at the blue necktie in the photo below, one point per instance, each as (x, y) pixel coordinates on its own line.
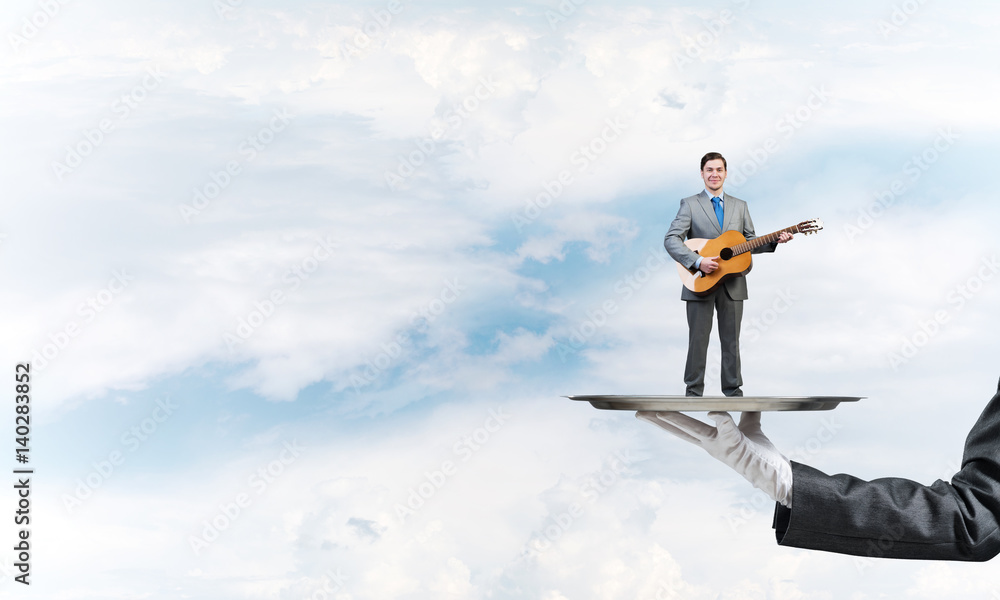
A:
(717, 203)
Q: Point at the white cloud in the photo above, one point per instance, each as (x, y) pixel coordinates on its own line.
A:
(602, 234)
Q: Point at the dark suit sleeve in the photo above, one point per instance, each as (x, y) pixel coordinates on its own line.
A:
(899, 518)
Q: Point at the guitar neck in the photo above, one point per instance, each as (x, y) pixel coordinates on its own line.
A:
(763, 240)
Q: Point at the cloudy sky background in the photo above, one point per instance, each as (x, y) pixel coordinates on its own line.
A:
(338, 371)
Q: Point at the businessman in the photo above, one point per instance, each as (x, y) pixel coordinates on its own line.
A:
(708, 215)
(890, 518)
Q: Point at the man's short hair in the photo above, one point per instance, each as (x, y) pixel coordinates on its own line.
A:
(713, 156)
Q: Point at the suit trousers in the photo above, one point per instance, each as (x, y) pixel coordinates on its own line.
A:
(699, 317)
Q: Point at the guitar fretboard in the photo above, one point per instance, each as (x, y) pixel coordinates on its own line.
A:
(763, 240)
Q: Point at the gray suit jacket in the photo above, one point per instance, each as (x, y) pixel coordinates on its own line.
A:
(696, 219)
(899, 518)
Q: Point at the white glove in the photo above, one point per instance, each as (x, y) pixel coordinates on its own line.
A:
(745, 449)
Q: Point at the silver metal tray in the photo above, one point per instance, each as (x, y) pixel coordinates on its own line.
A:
(710, 403)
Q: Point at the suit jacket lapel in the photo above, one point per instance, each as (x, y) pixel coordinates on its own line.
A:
(728, 210)
(706, 203)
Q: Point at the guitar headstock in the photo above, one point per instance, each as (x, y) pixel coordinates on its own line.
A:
(810, 226)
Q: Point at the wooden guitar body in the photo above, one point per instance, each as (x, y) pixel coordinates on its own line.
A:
(703, 284)
(733, 251)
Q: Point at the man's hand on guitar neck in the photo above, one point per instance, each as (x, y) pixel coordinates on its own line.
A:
(783, 237)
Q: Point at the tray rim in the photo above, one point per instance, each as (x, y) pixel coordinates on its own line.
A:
(713, 403)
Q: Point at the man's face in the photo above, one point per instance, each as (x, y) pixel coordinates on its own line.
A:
(714, 174)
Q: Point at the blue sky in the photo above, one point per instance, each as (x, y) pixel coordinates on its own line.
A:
(305, 280)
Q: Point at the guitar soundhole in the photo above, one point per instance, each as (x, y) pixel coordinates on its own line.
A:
(726, 253)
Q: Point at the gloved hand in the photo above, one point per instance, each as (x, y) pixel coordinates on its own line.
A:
(745, 449)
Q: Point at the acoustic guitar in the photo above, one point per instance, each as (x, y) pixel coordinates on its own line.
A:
(733, 251)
